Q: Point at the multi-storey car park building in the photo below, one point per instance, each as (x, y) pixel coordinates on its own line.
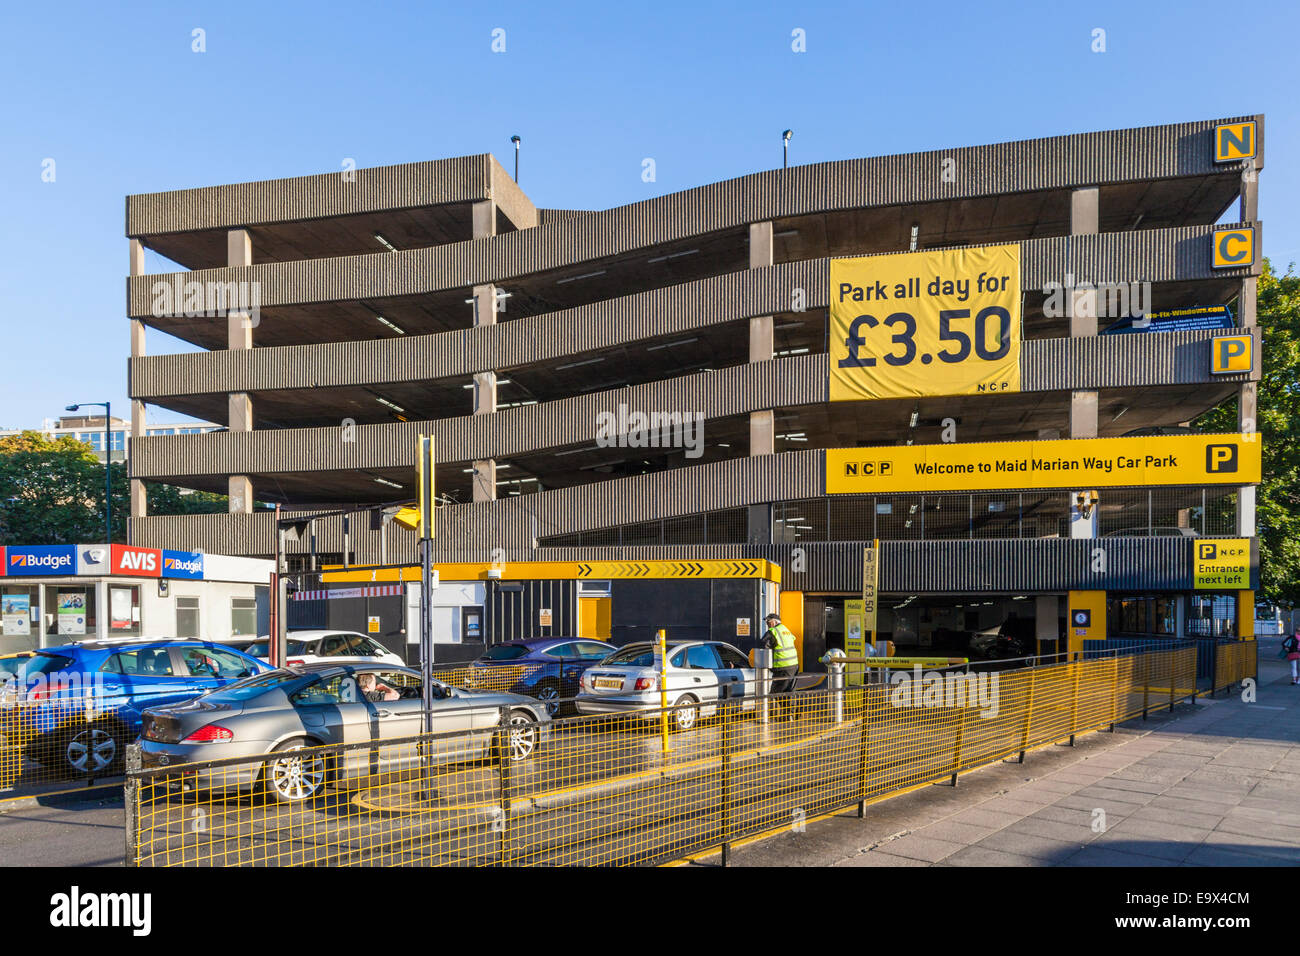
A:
(366, 308)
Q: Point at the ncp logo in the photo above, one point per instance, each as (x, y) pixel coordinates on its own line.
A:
(868, 469)
(1220, 459)
(1207, 552)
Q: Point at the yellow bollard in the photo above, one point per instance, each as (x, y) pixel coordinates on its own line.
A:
(663, 687)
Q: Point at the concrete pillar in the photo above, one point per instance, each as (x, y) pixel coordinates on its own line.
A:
(239, 335)
(485, 383)
(484, 219)
(139, 498)
(761, 427)
(240, 490)
(762, 432)
(240, 412)
(1047, 629)
(239, 247)
(1084, 219)
(1083, 414)
(485, 480)
(1248, 207)
(1247, 397)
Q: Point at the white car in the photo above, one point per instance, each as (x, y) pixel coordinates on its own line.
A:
(699, 674)
(330, 647)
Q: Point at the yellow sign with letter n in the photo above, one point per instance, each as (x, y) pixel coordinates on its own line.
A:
(945, 322)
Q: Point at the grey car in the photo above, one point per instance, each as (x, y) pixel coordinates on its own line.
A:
(273, 714)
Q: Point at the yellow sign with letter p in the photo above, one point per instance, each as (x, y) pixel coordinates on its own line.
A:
(945, 322)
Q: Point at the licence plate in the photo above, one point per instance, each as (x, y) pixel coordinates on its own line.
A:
(609, 683)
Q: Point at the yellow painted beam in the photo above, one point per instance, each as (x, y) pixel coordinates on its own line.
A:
(565, 570)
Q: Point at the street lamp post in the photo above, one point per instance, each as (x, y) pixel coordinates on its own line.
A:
(108, 465)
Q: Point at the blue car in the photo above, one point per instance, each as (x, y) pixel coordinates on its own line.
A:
(547, 668)
(79, 705)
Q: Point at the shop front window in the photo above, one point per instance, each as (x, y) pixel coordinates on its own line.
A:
(69, 611)
(123, 610)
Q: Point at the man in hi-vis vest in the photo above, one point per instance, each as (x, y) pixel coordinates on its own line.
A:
(779, 639)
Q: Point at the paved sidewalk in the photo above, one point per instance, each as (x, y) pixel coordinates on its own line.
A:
(1213, 785)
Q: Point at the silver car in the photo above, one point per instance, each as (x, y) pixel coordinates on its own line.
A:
(276, 713)
(698, 675)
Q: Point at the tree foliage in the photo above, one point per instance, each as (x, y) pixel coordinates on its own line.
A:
(1278, 422)
(52, 492)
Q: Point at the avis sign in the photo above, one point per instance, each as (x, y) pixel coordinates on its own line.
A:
(136, 562)
(945, 322)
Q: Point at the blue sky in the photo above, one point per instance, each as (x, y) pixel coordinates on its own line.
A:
(115, 95)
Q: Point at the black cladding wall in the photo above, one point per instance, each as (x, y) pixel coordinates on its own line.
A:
(689, 610)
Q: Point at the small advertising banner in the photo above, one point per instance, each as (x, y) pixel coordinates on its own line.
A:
(855, 640)
(945, 322)
(17, 614)
(71, 612)
(119, 608)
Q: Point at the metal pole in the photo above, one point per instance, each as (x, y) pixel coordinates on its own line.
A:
(279, 640)
(763, 680)
(836, 682)
(425, 474)
(662, 637)
(108, 474)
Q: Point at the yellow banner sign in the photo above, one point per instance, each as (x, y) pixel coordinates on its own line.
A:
(1062, 463)
(1221, 563)
(945, 322)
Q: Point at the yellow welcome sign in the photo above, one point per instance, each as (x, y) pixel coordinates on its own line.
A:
(1060, 463)
(945, 322)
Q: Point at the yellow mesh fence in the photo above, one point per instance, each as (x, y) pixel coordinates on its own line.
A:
(52, 744)
(642, 785)
(1234, 662)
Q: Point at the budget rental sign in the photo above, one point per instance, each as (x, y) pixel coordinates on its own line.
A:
(136, 562)
(36, 560)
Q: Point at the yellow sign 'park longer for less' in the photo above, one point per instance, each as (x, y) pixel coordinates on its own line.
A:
(945, 322)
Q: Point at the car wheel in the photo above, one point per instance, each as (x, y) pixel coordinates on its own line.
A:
(685, 712)
(548, 692)
(96, 749)
(519, 740)
(294, 778)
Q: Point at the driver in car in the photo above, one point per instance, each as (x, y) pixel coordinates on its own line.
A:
(376, 691)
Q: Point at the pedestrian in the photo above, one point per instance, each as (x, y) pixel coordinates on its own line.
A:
(1291, 647)
(780, 640)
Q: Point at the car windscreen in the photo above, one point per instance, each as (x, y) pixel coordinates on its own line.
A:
(30, 665)
(253, 686)
(504, 652)
(634, 655)
(263, 648)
